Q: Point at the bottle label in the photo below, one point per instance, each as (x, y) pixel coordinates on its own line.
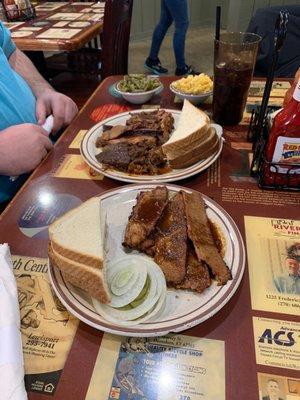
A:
(287, 151)
(296, 94)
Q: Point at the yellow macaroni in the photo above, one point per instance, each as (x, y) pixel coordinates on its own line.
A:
(197, 84)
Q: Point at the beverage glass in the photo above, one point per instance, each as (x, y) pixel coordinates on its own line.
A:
(234, 60)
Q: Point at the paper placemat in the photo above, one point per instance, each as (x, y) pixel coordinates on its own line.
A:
(169, 367)
(65, 16)
(54, 33)
(18, 34)
(286, 387)
(47, 327)
(277, 343)
(74, 167)
(75, 144)
(269, 241)
(30, 28)
(60, 24)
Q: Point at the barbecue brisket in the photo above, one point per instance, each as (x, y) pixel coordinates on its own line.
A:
(171, 240)
(149, 207)
(200, 234)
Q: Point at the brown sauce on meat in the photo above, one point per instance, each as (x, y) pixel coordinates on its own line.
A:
(164, 170)
(218, 237)
(136, 148)
(149, 210)
(160, 171)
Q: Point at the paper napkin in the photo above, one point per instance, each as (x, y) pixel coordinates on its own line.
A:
(11, 354)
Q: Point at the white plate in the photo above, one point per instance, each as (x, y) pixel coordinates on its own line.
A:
(184, 309)
(89, 151)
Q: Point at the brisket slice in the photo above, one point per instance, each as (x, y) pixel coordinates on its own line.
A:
(116, 156)
(112, 133)
(171, 241)
(137, 155)
(144, 215)
(197, 275)
(124, 134)
(148, 245)
(158, 120)
(200, 234)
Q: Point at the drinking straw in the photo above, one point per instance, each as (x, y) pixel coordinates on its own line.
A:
(218, 22)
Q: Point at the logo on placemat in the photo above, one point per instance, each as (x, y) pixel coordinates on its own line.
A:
(49, 388)
(281, 338)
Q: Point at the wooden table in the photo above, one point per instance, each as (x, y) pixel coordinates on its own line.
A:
(59, 26)
(225, 182)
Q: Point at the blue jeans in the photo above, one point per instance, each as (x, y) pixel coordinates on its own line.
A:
(177, 11)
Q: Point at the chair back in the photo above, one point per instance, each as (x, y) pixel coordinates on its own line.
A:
(115, 37)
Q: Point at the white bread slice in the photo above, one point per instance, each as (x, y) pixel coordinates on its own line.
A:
(192, 127)
(200, 151)
(87, 278)
(77, 235)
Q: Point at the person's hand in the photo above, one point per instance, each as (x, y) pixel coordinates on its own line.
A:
(60, 106)
(22, 148)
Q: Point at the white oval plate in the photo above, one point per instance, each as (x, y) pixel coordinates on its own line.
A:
(89, 151)
(184, 309)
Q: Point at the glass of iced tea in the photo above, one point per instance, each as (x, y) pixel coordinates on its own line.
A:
(234, 61)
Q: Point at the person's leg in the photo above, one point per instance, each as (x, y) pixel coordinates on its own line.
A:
(152, 63)
(160, 30)
(179, 11)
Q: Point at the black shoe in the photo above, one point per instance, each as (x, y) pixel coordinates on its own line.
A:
(187, 70)
(155, 66)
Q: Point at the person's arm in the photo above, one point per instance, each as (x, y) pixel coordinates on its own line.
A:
(48, 101)
(22, 148)
(24, 67)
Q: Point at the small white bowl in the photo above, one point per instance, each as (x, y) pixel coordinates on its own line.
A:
(138, 97)
(193, 98)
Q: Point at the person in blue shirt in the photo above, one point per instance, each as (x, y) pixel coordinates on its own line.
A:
(26, 99)
(289, 283)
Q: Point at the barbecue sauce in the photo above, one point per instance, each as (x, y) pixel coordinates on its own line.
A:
(283, 147)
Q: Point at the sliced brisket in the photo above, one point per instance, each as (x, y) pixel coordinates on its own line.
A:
(171, 240)
(200, 234)
(197, 275)
(144, 215)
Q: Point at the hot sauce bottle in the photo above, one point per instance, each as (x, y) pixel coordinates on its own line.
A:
(283, 146)
(289, 93)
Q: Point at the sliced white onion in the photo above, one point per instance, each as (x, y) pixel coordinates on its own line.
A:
(152, 313)
(152, 302)
(123, 281)
(122, 296)
(149, 301)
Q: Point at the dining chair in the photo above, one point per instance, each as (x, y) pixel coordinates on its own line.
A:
(111, 57)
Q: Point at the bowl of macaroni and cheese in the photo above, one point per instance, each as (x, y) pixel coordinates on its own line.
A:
(195, 88)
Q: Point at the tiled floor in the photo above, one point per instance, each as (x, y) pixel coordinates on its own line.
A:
(199, 51)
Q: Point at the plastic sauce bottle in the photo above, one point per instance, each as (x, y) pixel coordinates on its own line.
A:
(289, 93)
(283, 146)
